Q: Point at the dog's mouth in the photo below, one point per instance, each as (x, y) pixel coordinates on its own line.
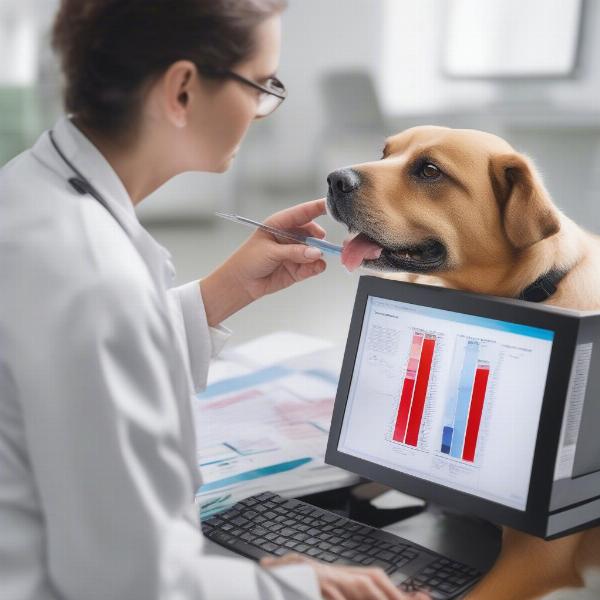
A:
(423, 257)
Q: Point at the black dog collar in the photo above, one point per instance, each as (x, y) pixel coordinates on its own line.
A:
(543, 287)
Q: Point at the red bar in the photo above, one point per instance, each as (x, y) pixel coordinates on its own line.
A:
(404, 409)
(407, 388)
(477, 398)
(418, 403)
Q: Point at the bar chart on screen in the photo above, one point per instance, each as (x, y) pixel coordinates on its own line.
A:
(416, 386)
(468, 389)
(446, 396)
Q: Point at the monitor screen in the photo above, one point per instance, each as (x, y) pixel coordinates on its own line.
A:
(451, 398)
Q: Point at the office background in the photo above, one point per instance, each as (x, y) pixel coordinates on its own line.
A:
(356, 70)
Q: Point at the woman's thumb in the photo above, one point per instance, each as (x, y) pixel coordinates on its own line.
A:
(299, 253)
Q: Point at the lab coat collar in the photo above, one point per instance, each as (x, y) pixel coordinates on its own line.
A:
(80, 151)
(90, 161)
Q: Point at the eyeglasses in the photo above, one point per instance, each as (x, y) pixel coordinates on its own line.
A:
(273, 92)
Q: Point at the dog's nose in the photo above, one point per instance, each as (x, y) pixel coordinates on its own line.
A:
(343, 182)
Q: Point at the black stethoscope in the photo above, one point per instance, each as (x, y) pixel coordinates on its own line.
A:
(80, 182)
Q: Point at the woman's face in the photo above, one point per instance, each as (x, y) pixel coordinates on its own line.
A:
(226, 107)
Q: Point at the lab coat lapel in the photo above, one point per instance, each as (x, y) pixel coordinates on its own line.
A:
(96, 169)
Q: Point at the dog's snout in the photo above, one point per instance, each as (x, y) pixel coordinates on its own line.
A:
(343, 182)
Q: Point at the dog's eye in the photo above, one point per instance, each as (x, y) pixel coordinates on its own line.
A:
(429, 171)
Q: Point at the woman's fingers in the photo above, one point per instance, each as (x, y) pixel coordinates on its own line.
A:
(298, 215)
(348, 582)
(310, 270)
(331, 592)
(287, 559)
(297, 253)
(313, 229)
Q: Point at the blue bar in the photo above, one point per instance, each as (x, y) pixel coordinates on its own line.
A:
(465, 385)
(233, 384)
(449, 315)
(447, 439)
(254, 474)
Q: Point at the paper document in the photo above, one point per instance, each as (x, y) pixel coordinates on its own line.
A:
(265, 429)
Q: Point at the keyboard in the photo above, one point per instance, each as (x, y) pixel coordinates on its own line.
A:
(271, 525)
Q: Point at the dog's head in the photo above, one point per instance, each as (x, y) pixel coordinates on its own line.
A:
(440, 200)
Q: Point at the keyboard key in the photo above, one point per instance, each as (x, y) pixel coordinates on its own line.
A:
(328, 557)
(400, 562)
(259, 530)
(269, 547)
(288, 532)
(278, 499)
(330, 518)
(381, 564)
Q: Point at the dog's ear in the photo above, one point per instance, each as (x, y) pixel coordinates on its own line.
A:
(527, 211)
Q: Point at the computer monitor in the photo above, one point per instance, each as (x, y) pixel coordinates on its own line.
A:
(475, 402)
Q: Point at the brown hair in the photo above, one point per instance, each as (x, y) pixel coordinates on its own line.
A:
(110, 48)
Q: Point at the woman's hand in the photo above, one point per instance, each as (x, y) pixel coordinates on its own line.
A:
(348, 583)
(264, 264)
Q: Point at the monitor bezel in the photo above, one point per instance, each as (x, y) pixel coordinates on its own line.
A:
(563, 323)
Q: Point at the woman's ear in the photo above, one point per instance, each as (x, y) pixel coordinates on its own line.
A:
(178, 90)
(528, 213)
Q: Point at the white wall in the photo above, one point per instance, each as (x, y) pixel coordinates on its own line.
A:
(318, 36)
(411, 81)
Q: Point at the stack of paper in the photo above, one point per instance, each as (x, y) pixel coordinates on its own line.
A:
(265, 426)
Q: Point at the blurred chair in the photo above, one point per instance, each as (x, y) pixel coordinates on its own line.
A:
(354, 125)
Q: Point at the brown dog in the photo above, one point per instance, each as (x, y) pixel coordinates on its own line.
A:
(464, 207)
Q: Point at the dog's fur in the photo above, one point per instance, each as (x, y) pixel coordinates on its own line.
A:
(463, 209)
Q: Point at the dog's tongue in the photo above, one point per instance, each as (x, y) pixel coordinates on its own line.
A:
(357, 249)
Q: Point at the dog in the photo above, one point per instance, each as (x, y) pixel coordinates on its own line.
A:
(461, 208)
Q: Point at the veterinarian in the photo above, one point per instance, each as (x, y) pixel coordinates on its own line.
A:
(99, 354)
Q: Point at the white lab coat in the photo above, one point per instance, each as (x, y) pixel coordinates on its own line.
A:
(99, 360)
